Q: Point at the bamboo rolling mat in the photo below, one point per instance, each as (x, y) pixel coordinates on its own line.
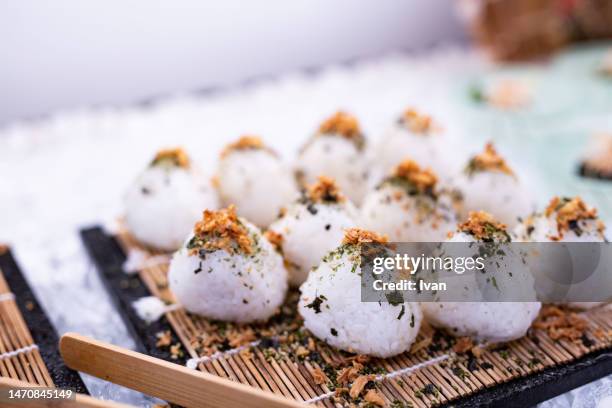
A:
(28, 341)
(20, 357)
(435, 372)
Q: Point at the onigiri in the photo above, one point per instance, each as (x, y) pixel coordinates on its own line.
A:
(253, 178)
(165, 201)
(408, 206)
(337, 150)
(227, 270)
(414, 135)
(490, 321)
(331, 305)
(311, 227)
(490, 185)
(567, 219)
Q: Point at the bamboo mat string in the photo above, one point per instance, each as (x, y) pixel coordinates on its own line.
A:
(382, 377)
(4, 297)
(193, 362)
(10, 354)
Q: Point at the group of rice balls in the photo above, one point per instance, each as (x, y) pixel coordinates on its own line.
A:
(317, 215)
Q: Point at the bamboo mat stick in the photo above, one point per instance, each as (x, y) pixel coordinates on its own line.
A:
(80, 400)
(170, 382)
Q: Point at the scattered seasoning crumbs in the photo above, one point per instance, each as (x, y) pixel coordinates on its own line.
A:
(374, 397)
(463, 345)
(430, 389)
(164, 339)
(333, 331)
(560, 324)
(242, 337)
(459, 372)
(302, 352)
(477, 351)
(348, 374)
(175, 157)
(400, 404)
(359, 384)
(319, 376)
(176, 351)
(586, 341)
(489, 160)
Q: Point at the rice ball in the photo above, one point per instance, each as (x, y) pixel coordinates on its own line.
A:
(490, 185)
(492, 321)
(331, 305)
(337, 150)
(165, 201)
(227, 270)
(409, 207)
(484, 321)
(252, 177)
(565, 219)
(311, 227)
(414, 135)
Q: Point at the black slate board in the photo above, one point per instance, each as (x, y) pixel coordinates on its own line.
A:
(108, 258)
(527, 391)
(43, 332)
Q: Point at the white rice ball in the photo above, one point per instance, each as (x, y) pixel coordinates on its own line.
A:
(312, 227)
(254, 179)
(496, 321)
(415, 135)
(484, 321)
(228, 271)
(565, 220)
(337, 151)
(331, 305)
(407, 207)
(488, 184)
(165, 201)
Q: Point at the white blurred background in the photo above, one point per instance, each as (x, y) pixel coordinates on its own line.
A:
(63, 54)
